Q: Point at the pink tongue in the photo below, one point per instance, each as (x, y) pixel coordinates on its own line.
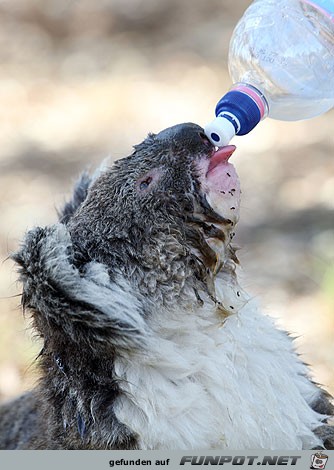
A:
(221, 156)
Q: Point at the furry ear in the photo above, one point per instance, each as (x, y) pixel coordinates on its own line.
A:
(83, 306)
(80, 192)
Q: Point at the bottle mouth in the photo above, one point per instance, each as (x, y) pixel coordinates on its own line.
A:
(214, 137)
(220, 131)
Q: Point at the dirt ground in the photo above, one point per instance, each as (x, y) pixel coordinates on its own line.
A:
(80, 80)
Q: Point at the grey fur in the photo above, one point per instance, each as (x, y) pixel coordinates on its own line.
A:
(90, 281)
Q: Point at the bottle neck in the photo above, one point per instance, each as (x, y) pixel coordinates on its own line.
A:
(237, 113)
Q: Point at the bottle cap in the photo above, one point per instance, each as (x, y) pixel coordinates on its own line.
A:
(220, 131)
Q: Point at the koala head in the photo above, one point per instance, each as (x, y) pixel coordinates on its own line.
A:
(163, 215)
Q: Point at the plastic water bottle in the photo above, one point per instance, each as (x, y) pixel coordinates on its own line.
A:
(281, 61)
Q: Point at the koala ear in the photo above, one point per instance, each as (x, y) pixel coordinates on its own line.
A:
(82, 307)
(80, 192)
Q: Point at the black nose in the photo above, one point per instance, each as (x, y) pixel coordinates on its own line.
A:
(187, 134)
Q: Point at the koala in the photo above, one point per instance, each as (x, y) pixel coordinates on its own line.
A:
(149, 342)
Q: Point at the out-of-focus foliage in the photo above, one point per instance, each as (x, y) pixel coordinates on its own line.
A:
(80, 80)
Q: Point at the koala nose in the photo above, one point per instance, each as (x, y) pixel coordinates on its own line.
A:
(187, 134)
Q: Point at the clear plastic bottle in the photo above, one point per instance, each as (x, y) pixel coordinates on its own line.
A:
(281, 61)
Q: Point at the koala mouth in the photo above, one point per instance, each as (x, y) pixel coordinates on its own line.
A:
(221, 175)
(220, 157)
(220, 183)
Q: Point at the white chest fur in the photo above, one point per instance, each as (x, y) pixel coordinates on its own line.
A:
(201, 384)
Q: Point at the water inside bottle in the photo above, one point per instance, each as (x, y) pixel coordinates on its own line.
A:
(293, 66)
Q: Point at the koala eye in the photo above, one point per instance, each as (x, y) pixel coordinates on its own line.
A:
(145, 184)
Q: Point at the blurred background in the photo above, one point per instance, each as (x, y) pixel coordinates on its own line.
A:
(80, 80)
